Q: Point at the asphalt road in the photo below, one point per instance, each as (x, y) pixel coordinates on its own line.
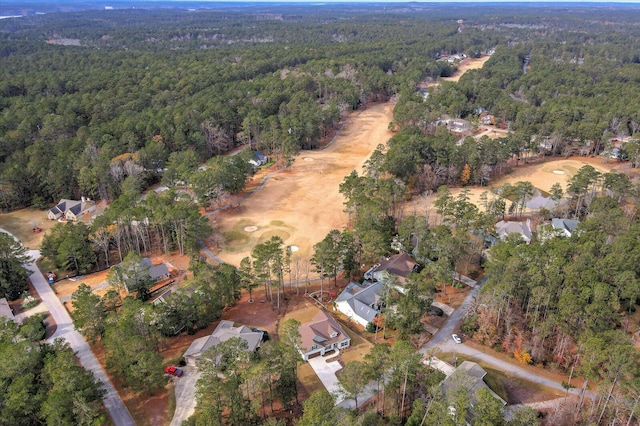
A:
(442, 342)
(65, 330)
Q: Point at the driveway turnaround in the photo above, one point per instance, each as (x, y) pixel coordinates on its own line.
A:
(65, 330)
(326, 372)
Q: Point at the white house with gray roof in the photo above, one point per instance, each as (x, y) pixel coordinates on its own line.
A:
(360, 302)
(564, 227)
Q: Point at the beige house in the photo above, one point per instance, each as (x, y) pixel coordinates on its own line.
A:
(71, 209)
(323, 334)
(223, 332)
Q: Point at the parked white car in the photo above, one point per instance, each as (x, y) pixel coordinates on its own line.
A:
(456, 338)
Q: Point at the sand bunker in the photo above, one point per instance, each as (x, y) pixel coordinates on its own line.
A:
(307, 159)
(558, 172)
(250, 228)
(294, 249)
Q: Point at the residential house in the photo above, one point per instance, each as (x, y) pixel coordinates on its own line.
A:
(504, 228)
(470, 376)
(486, 119)
(5, 310)
(258, 159)
(157, 273)
(564, 227)
(459, 126)
(71, 209)
(360, 302)
(323, 334)
(223, 332)
(398, 266)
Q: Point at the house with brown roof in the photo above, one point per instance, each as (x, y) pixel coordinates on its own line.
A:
(398, 266)
(323, 334)
(71, 209)
(223, 332)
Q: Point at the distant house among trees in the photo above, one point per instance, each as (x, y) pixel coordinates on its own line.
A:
(223, 332)
(565, 227)
(258, 159)
(71, 209)
(360, 302)
(323, 334)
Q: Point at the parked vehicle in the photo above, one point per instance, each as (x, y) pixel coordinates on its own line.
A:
(456, 338)
(173, 371)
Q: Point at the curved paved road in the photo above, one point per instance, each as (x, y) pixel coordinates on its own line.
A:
(442, 341)
(65, 329)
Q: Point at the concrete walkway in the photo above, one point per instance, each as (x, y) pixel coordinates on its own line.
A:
(65, 330)
(448, 310)
(440, 365)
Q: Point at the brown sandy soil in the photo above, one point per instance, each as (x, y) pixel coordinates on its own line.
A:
(302, 204)
(176, 263)
(466, 65)
(67, 286)
(492, 132)
(452, 296)
(258, 314)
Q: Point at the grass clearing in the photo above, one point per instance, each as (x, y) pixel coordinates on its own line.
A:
(22, 222)
(309, 379)
(514, 390)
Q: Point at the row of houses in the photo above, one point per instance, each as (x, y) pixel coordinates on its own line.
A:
(322, 335)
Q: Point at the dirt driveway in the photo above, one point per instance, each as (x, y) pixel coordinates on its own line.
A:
(302, 204)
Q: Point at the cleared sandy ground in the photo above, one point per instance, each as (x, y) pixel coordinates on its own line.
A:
(302, 204)
(466, 65)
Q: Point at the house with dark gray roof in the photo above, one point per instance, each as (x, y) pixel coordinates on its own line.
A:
(564, 227)
(71, 209)
(470, 377)
(158, 272)
(258, 159)
(360, 302)
(223, 332)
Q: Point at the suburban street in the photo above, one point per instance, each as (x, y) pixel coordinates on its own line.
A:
(442, 341)
(65, 330)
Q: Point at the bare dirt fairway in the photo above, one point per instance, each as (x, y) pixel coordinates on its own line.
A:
(541, 175)
(466, 65)
(302, 204)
